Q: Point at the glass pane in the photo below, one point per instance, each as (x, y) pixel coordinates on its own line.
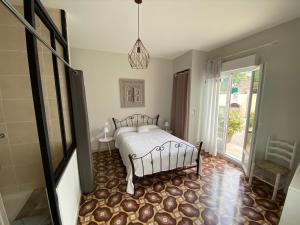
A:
(59, 49)
(50, 100)
(22, 182)
(55, 15)
(237, 118)
(43, 30)
(255, 86)
(8, 18)
(222, 112)
(65, 102)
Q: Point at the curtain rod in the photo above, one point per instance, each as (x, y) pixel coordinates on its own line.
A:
(252, 49)
(31, 29)
(181, 72)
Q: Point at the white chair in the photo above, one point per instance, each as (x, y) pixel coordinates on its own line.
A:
(278, 162)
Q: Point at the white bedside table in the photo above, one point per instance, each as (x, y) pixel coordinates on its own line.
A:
(107, 141)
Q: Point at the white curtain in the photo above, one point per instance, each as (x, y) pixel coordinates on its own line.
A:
(210, 106)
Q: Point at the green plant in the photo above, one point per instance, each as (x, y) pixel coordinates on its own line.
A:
(251, 120)
(238, 77)
(221, 121)
(235, 123)
(221, 116)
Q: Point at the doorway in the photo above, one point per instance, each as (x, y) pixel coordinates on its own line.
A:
(239, 93)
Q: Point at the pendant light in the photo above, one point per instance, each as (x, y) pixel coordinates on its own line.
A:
(139, 57)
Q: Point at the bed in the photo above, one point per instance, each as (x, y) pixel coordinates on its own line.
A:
(146, 149)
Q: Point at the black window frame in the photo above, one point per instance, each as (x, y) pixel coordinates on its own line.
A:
(52, 178)
(61, 38)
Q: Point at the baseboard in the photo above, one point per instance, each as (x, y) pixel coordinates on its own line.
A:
(103, 147)
(95, 149)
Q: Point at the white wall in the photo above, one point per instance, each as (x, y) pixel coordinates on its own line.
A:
(280, 108)
(102, 71)
(183, 62)
(69, 193)
(290, 213)
(195, 61)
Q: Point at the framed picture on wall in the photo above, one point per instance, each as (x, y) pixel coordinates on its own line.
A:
(132, 93)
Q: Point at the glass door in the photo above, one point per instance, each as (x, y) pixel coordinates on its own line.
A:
(237, 113)
(223, 105)
(252, 118)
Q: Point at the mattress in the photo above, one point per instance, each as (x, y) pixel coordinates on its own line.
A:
(166, 151)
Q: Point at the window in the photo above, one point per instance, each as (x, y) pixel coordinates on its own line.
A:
(49, 75)
(55, 88)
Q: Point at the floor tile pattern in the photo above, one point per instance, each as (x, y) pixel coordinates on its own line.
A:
(220, 196)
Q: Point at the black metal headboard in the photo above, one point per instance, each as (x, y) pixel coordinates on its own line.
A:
(136, 120)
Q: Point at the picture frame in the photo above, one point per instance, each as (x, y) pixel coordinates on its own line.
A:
(132, 93)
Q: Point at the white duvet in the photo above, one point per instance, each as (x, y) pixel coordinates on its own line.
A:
(132, 142)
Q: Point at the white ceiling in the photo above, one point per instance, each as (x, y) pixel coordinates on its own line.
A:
(170, 27)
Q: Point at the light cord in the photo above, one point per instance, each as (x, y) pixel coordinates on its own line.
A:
(138, 21)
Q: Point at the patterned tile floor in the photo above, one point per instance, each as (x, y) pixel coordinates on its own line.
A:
(220, 196)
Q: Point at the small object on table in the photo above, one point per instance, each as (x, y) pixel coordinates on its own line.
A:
(106, 140)
(169, 131)
(166, 124)
(106, 130)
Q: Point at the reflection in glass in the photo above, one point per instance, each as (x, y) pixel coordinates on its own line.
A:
(222, 113)
(49, 95)
(22, 182)
(256, 80)
(51, 106)
(65, 102)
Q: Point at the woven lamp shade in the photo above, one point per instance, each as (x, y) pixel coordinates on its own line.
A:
(139, 57)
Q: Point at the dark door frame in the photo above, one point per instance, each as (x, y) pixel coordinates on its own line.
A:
(52, 177)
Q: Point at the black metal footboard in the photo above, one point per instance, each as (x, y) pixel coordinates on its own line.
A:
(180, 146)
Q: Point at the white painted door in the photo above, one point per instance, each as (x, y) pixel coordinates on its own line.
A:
(252, 118)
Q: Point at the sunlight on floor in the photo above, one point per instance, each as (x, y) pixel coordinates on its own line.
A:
(221, 195)
(234, 151)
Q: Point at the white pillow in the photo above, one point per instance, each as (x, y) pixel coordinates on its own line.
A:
(142, 129)
(146, 128)
(153, 127)
(124, 129)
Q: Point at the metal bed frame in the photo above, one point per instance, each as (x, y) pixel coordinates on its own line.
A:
(141, 119)
(136, 120)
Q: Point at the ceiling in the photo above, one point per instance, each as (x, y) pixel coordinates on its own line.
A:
(170, 27)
